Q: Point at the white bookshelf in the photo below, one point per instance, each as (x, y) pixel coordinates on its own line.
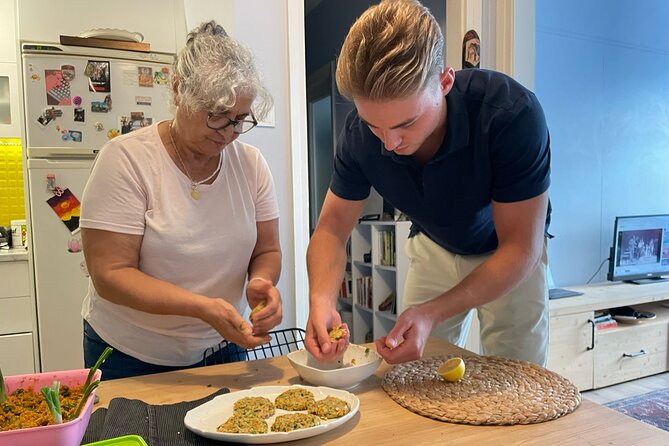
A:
(382, 275)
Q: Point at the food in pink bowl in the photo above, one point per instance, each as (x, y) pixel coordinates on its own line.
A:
(69, 432)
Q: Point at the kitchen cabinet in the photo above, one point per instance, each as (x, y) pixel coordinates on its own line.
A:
(10, 126)
(17, 315)
(592, 358)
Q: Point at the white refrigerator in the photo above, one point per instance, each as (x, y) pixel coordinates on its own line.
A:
(75, 100)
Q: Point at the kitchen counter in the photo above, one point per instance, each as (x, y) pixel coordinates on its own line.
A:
(382, 421)
(13, 255)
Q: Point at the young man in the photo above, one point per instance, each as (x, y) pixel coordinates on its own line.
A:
(466, 157)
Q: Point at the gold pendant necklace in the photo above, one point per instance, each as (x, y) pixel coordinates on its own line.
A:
(194, 192)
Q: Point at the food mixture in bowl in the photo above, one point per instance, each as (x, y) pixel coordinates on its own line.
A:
(26, 408)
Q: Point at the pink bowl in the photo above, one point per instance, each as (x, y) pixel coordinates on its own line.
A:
(65, 434)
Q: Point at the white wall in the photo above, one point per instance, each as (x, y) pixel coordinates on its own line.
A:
(44, 21)
(602, 76)
(266, 34)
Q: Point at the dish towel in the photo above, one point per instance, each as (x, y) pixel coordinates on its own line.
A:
(158, 425)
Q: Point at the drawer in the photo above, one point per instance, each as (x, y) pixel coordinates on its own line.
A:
(630, 352)
(18, 349)
(15, 279)
(568, 352)
(15, 315)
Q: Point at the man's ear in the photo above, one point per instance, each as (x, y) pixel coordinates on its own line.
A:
(446, 80)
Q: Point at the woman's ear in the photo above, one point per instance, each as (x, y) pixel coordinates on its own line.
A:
(175, 89)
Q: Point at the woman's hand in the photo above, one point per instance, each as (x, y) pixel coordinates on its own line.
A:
(258, 291)
(230, 324)
(318, 341)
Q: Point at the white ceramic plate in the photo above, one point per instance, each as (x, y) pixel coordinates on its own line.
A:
(204, 419)
(113, 34)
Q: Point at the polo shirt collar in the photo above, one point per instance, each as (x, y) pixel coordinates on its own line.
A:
(457, 124)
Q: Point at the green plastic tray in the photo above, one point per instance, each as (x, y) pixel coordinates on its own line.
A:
(127, 440)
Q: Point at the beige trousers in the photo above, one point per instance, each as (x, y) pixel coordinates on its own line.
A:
(513, 326)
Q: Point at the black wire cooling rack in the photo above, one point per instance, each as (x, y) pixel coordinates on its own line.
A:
(283, 342)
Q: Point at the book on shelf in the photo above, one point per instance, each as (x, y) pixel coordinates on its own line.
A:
(364, 288)
(604, 321)
(345, 291)
(387, 248)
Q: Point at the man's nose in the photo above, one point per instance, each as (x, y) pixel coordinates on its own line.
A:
(391, 139)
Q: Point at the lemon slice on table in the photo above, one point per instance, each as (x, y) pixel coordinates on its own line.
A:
(452, 370)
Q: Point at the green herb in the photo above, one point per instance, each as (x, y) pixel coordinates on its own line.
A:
(3, 394)
(89, 386)
(52, 397)
(366, 352)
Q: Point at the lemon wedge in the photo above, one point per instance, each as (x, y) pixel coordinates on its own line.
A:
(452, 370)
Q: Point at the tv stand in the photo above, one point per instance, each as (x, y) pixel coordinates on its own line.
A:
(592, 358)
(648, 280)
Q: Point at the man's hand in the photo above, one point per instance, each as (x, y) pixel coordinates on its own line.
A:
(407, 339)
(318, 341)
(258, 291)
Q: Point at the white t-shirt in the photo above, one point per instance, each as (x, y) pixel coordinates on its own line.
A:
(201, 245)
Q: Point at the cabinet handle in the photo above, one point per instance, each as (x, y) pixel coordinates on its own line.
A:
(592, 342)
(634, 355)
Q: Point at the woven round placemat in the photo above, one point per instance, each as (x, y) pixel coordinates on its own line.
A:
(494, 390)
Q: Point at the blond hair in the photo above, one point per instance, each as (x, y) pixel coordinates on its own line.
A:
(391, 52)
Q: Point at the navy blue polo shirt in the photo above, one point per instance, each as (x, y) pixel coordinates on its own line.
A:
(496, 148)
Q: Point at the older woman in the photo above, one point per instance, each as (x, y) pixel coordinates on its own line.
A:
(178, 218)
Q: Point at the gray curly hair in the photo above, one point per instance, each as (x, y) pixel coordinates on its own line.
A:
(213, 70)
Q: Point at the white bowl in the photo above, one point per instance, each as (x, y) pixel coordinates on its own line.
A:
(357, 364)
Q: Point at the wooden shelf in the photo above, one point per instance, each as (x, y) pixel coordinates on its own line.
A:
(105, 43)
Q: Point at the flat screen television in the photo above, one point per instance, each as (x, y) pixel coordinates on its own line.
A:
(640, 251)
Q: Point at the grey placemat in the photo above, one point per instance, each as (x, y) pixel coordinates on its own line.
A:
(158, 425)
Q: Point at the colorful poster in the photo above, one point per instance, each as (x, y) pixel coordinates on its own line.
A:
(145, 76)
(67, 207)
(99, 78)
(57, 88)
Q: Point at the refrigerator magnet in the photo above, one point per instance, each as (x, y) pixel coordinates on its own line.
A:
(75, 135)
(143, 100)
(145, 76)
(68, 208)
(79, 115)
(74, 244)
(98, 73)
(76, 100)
(44, 119)
(162, 77)
(68, 72)
(113, 133)
(57, 88)
(102, 106)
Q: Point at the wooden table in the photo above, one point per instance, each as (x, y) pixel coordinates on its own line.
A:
(382, 421)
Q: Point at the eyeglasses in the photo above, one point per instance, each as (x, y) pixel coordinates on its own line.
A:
(220, 122)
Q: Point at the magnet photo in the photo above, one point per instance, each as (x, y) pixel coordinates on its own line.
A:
(75, 135)
(145, 76)
(79, 115)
